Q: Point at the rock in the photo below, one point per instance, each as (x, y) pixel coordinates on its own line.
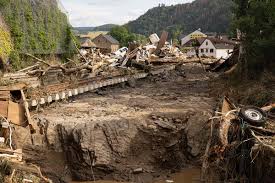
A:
(138, 170)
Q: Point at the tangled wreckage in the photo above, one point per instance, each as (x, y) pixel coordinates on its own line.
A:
(241, 144)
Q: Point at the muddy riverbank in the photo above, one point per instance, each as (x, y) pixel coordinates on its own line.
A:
(143, 131)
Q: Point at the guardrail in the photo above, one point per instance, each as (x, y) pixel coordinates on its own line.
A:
(83, 89)
(90, 87)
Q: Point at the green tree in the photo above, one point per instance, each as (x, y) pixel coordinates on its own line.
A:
(176, 32)
(256, 21)
(122, 34)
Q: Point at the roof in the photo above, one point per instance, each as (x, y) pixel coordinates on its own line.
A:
(108, 38)
(111, 39)
(87, 43)
(194, 42)
(201, 40)
(93, 34)
(222, 44)
(216, 41)
(196, 31)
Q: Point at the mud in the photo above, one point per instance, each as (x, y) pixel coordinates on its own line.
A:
(143, 131)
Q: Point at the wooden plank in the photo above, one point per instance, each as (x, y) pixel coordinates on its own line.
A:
(16, 114)
(18, 86)
(4, 108)
(26, 105)
(162, 41)
(4, 95)
(227, 106)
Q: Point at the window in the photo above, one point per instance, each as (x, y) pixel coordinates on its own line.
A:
(206, 50)
(206, 43)
(211, 50)
(202, 50)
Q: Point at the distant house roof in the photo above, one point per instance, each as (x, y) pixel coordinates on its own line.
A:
(222, 44)
(211, 34)
(87, 43)
(201, 40)
(217, 40)
(182, 36)
(194, 42)
(198, 31)
(111, 39)
(93, 34)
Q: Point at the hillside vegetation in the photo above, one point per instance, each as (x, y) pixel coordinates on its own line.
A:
(209, 15)
(106, 27)
(5, 40)
(36, 27)
(86, 30)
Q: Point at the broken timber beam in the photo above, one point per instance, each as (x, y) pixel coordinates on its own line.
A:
(26, 105)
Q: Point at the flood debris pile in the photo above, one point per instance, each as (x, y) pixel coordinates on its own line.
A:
(46, 78)
(242, 145)
(14, 114)
(90, 64)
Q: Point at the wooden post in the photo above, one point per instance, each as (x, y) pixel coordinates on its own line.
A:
(26, 105)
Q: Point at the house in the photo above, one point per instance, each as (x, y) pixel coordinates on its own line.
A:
(194, 35)
(216, 48)
(106, 43)
(192, 46)
(93, 34)
(86, 43)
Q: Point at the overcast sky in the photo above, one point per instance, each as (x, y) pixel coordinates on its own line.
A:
(99, 12)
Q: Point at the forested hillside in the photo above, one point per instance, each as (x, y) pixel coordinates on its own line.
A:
(86, 30)
(106, 27)
(209, 15)
(36, 26)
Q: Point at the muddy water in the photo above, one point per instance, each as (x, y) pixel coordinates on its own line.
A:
(190, 175)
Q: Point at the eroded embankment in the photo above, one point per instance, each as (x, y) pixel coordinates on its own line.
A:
(139, 132)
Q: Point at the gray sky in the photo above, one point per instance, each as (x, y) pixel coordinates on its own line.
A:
(98, 12)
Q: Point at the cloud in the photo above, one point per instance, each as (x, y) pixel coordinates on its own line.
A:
(98, 12)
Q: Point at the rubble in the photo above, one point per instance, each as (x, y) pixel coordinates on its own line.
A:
(236, 131)
(105, 144)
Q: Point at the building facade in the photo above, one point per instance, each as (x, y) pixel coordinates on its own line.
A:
(106, 43)
(216, 48)
(194, 35)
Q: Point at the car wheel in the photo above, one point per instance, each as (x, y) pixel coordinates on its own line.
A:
(253, 115)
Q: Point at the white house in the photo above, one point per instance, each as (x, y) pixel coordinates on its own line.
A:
(194, 35)
(216, 48)
(191, 47)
